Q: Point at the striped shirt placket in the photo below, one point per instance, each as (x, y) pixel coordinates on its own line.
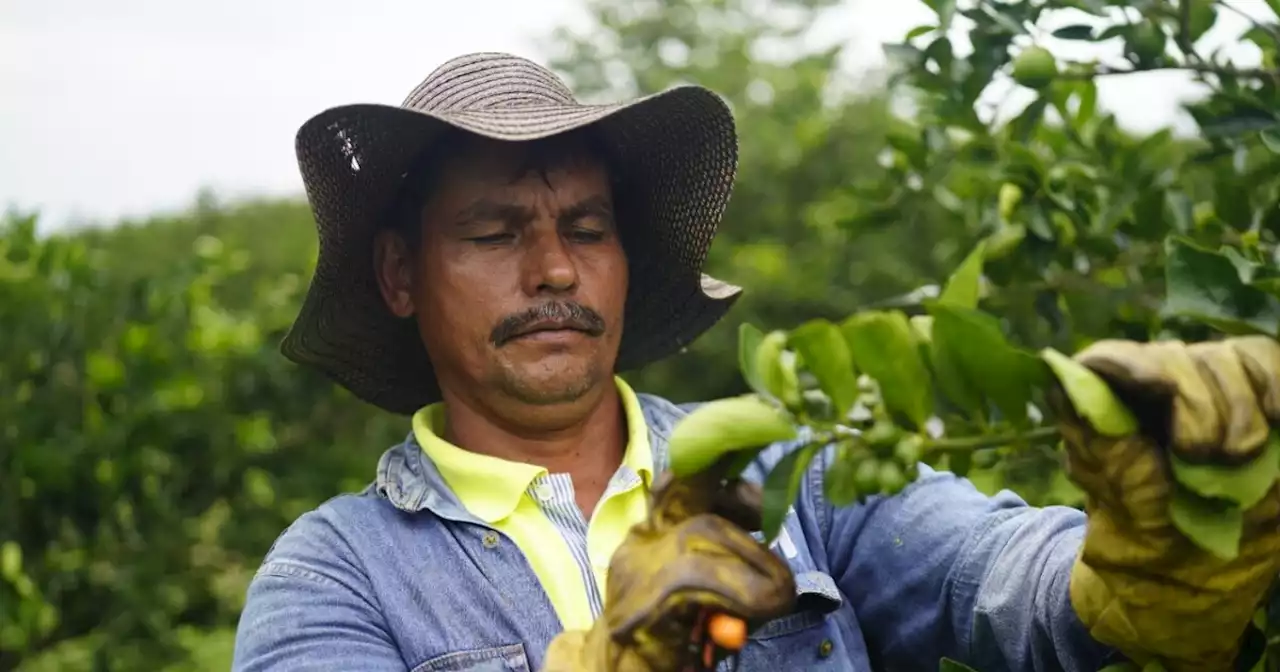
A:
(554, 495)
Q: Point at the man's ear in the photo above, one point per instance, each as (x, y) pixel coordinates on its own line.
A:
(393, 265)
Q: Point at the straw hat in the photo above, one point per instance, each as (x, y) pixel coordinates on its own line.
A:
(675, 154)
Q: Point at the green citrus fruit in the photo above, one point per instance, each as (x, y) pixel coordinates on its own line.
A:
(1035, 68)
(1147, 42)
(867, 477)
(892, 478)
(909, 450)
(1203, 16)
(883, 434)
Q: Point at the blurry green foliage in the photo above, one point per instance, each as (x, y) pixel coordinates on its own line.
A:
(155, 442)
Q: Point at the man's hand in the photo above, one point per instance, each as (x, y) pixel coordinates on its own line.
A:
(691, 559)
(1139, 584)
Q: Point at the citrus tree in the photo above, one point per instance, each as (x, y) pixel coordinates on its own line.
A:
(1081, 231)
(150, 442)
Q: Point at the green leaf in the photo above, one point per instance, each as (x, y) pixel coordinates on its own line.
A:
(920, 30)
(1244, 484)
(883, 346)
(1023, 125)
(972, 343)
(776, 372)
(945, 9)
(1215, 525)
(1246, 269)
(1088, 101)
(1202, 17)
(1239, 123)
(922, 325)
(965, 284)
(724, 426)
(1181, 210)
(1090, 396)
(949, 665)
(826, 354)
(1271, 138)
(1077, 31)
(749, 339)
(781, 487)
(951, 378)
(1205, 286)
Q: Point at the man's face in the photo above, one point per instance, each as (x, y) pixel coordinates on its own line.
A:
(519, 281)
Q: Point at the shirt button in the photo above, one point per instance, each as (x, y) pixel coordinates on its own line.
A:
(543, 492)
(825, 648)
(490, 540)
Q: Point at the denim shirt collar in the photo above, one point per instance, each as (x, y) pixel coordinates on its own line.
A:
(411, 482)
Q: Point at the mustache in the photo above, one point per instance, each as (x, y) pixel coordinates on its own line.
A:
(571, 314)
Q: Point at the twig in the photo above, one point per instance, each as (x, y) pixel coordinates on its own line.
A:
(1184, 31)
(970, 443)
(962, 444)
(1203, 69)
(1271, 29)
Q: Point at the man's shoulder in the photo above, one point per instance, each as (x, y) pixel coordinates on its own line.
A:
(335, 527)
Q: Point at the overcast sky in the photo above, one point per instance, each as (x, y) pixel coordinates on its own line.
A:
(127, 107)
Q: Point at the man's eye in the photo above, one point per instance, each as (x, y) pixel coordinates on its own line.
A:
(493, 239)
(587, 235)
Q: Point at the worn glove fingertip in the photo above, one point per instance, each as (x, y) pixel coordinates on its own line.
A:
(1260, 357)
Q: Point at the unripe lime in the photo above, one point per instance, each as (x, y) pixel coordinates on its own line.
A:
(867, 478)
(909, 450)
(883, 434)
(1035, 67)
(892, 478)
(1147, 42)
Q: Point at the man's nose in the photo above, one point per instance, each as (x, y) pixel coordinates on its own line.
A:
(549, 262)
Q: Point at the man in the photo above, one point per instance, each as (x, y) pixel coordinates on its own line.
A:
(493, 253)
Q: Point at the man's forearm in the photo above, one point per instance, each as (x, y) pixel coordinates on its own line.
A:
(1020, 572)
(942, 569)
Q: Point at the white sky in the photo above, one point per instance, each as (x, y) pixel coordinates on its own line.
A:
(126, 107)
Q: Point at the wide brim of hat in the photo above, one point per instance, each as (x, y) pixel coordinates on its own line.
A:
(675, 151)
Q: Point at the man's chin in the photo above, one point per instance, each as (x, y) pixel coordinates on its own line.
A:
(565, 382)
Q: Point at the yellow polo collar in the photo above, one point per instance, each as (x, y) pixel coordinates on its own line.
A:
(491, 487)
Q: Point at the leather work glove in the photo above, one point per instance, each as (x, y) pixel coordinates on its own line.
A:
(1139, 584)
(692, 557)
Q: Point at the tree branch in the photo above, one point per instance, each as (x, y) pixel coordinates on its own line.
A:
(1199, 68)
(1184, 31)
(958, 445)
(971, 443)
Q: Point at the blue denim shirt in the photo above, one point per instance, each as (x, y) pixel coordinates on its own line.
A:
(401, 578)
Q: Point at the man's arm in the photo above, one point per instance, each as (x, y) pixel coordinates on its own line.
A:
(944, 570)
(307, 609)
